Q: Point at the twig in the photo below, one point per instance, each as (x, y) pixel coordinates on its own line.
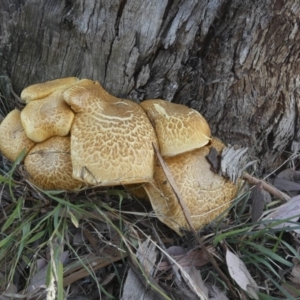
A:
(271, 189)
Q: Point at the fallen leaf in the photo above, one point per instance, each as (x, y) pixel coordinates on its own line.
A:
(240, 274)
(289, 174)
(292, 288)
(259, 198)
(295, 274)
(286, 185)
(196, 258)
(216, 294)
(10, 292)
(39, 279)
(176, 250)
(195, 281)
(289, 210)
(78, 238)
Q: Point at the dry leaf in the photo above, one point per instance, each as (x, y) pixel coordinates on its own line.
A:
(216, 294)
(78, 238)
(240, 274)
(292, 288)
(291, 210)
(176, 250)
(39, 279)
(196, 258)
(196, 282)
(10, 292)
(295, 274)
(289, 174)
(288, 181)
(259, 198)
(286, 185)
(133, 287)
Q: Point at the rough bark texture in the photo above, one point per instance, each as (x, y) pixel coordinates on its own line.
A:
(235, 61)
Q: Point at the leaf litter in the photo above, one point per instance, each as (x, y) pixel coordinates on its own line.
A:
(180, 269)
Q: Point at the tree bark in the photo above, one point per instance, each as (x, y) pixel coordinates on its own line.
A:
(235, 61)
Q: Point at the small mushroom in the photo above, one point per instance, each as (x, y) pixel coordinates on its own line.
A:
(13, 138)
(111, 138)
(205, 193)
(49, 165)
(42, 90)
(47, 117)
(178, 128)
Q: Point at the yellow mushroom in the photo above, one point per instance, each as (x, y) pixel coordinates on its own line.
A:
(111, 143)
(49, 165)
(47, 117)
(42, 90)
(13, 138)
(111, 138)
(179, 128)
(205, 193)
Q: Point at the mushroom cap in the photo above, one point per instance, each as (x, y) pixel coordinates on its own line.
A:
(42, 90)
(205, 193)
(13, 138)
(49, 165)
(111, 138)
(85, 90)
(178, 128)
(47, 117)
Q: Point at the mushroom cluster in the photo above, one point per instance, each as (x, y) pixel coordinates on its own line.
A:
(76, 134)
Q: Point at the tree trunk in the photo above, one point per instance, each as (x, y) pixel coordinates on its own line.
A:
(235, 61)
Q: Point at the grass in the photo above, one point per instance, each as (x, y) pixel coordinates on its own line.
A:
(43, 226)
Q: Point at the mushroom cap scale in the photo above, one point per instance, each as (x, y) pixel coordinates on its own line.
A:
(49, 165)
(47, 117)
(179, 129)
(42, 90)
(13, 138)
(111, 138)
(205, 193)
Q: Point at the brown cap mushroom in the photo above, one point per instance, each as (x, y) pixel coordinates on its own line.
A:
(13, 138)
(111, 138)
(178, 128)
(47, 117)
(205, 193)
(49, 165)
(42, 90)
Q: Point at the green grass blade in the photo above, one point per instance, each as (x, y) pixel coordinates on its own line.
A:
(36, 237)
(228, 234)
(256, 258)
(269, 253)
(16, 214)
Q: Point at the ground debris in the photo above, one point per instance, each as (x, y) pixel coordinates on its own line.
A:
(240, 274)
(133, 287)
